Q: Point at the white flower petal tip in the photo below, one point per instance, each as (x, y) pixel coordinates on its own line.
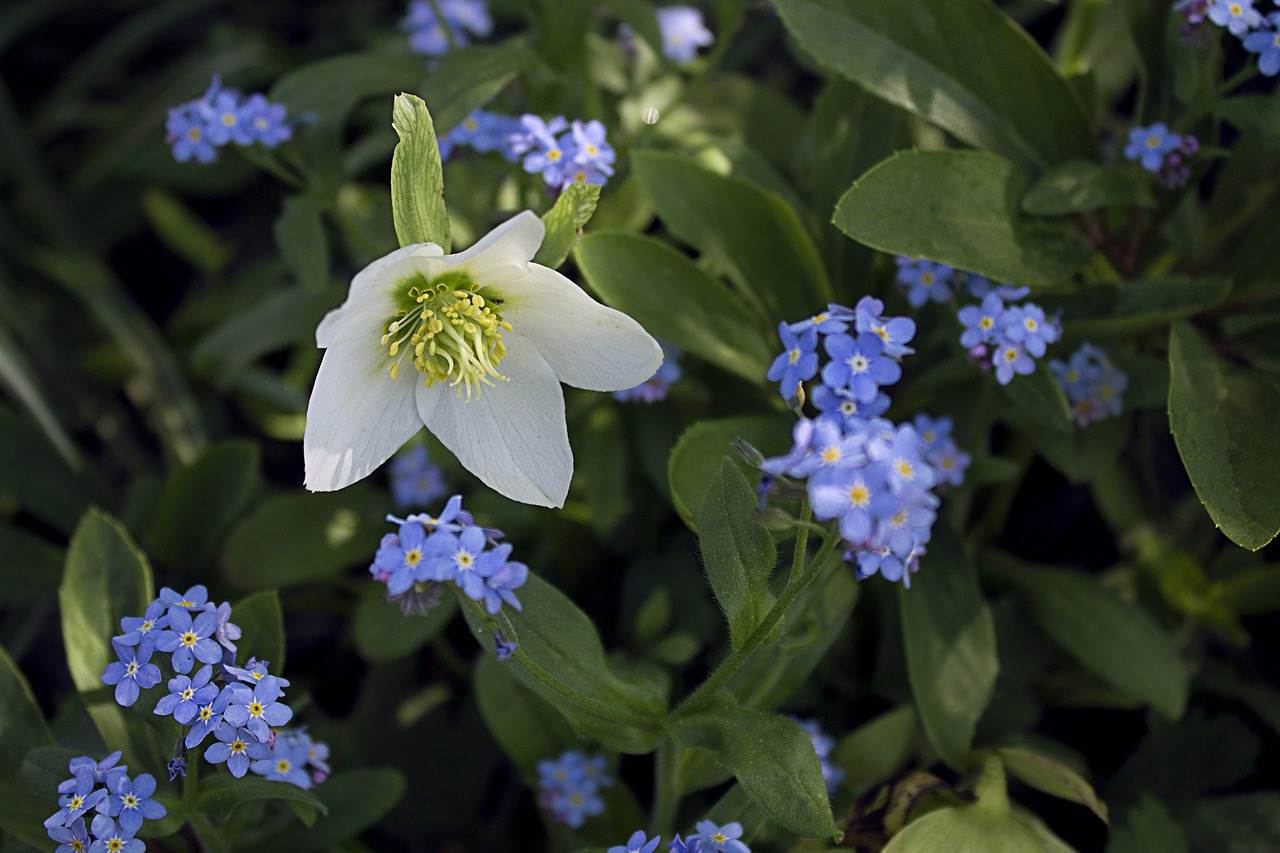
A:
(473, 345)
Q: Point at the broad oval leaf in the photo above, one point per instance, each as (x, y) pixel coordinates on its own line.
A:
(1224, 420)
(1083, 185)
(382, 633)
(951, 646)
(961, 208)
(698, 453)
(675, 301)
(221, 795)
(1000, 92)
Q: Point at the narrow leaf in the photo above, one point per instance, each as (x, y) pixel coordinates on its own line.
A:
(303, 245)
(1053, 777)
(417, 179)
(565, 221)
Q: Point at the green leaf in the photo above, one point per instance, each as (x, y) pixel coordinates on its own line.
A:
(950, 642)
(697, 454)
(737, 553)
(37, 584)
(877, 749)
(639, 15)
(1139, 306)
(292, 539)
(356, 799)
(185, 233)
(1088, 452)
(602, 462)
(417, 179)
(644, 277)
(1148, 826)
(1093, 624)
(331, 88)
(1000, 93)
(1038, 399)
(33, 477)
(972, 829)
(466, 79)
(1223, 420)
(1240, 823)
(1081, 185)
(382, 633)
(773, 760)
(106, 578)
(200, 501)
(1054, 778)
(19, 808)
(221, 795)
(22, 725)
(564, 222)
(261, 623)
(527, 728)
(960, 208)
(302, 242)
(1257, 115)
(559, 657)
(750, 235)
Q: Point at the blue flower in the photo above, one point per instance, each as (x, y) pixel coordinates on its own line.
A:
(982, 325)
(287, 763)
(71, 839)
(832, 449)
(574, 802)
(427, 32)
(679, 845)
(501, 585)
(568, 768)
(130, 802)
(933, 432)
(99, 772)
(859, 365)
(542, 151)
(796, 463)
(224, 122)
(798, 361)
(896, 332)
(835, 320)
(193, 600)
(949, 463)
(110, 838)
(637, 843)
(254, 672)
(683, 32)
(235, 746)
(266, 122)
(75, 802)
(256, 709)
(1238, 16)
(721, 839)
(185, 130)
(415, 479)
(1150, 144)
(137, 627)
(655, 388)
(1026, 325)
(503, 647)
(904, 457)
(1266, 43)
(849, 495)
(1092, 383)
(469, 563)
(1012, 358)
(190, 641)
(399, 559)
(924, 280)
(177, 766)
(186, 695)
(207, 718)
(132, 673)
(839, 406)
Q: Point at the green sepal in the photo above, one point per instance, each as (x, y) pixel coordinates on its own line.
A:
(417, 178)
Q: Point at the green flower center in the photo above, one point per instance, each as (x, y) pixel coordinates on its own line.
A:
(451, 329)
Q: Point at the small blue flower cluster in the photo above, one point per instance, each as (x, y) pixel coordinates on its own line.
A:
(122, 804)
(427, 33)
(563, 152)
(220, 116)
(569, 786)
(862, 470)
(924, 281)
(415, 479)
(823, 744)
(430, 550)
(1008, 337)
(654, 389)
(941, 450)
(709, 838)
(237, 705)
(1163, 152)
(683, 32)
(1259, 33)
(1093, 384)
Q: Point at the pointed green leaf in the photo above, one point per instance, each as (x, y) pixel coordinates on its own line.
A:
(22, 725)
(961, 208)
(1053, 777)
(1148, 826)
(200, 501)
(749, 234)
(1223, 420)
(564, 222)
(773, 760)
(698, 453)
(1082, 185)
(644, 278)
(417, 179)
(1000, 93)
(185, 233)
(951, 646)
(737, 553)
(877, 749)
(303, 245)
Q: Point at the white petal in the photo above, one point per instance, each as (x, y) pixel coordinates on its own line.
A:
(587, 344)
(511, 244)
(512, 436)
(376, 277)
(358, 415)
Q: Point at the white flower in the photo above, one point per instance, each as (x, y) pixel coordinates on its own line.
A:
(475, 346)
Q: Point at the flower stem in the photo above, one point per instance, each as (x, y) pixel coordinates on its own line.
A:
(795, 585)
(666, 789)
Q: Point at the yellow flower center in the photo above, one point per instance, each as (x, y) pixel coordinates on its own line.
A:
(229, 119)
(452, 330)
(131, 669)
(237, 746)
(859, 495)
(986, 323)
(471, 124)
(130, 801)
(283, 766)
(905, 469)
(465, 560)
(115, 844)
(206, 713)
(193, 134)
(1153, 142)
(1236, 9)
(554, 155)
(831, 455)
(76, 802)
(255, 709)
(1030, 324)
(189, 639)
(146, 626)
(187, 694)
(412, 557)
(794, 355)
(77, 845)
(719, 838)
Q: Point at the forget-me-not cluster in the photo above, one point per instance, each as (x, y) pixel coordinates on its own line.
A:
(1093, 384)
(569, 786)
(119, 805)
(428, 551)
(655, 388)
(861, 470)
(462, 18)
(563, 152)
(209, 692)
(1162, 151)
(198, 128)
(415, 479)
(709, 838)
(1258, 31)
